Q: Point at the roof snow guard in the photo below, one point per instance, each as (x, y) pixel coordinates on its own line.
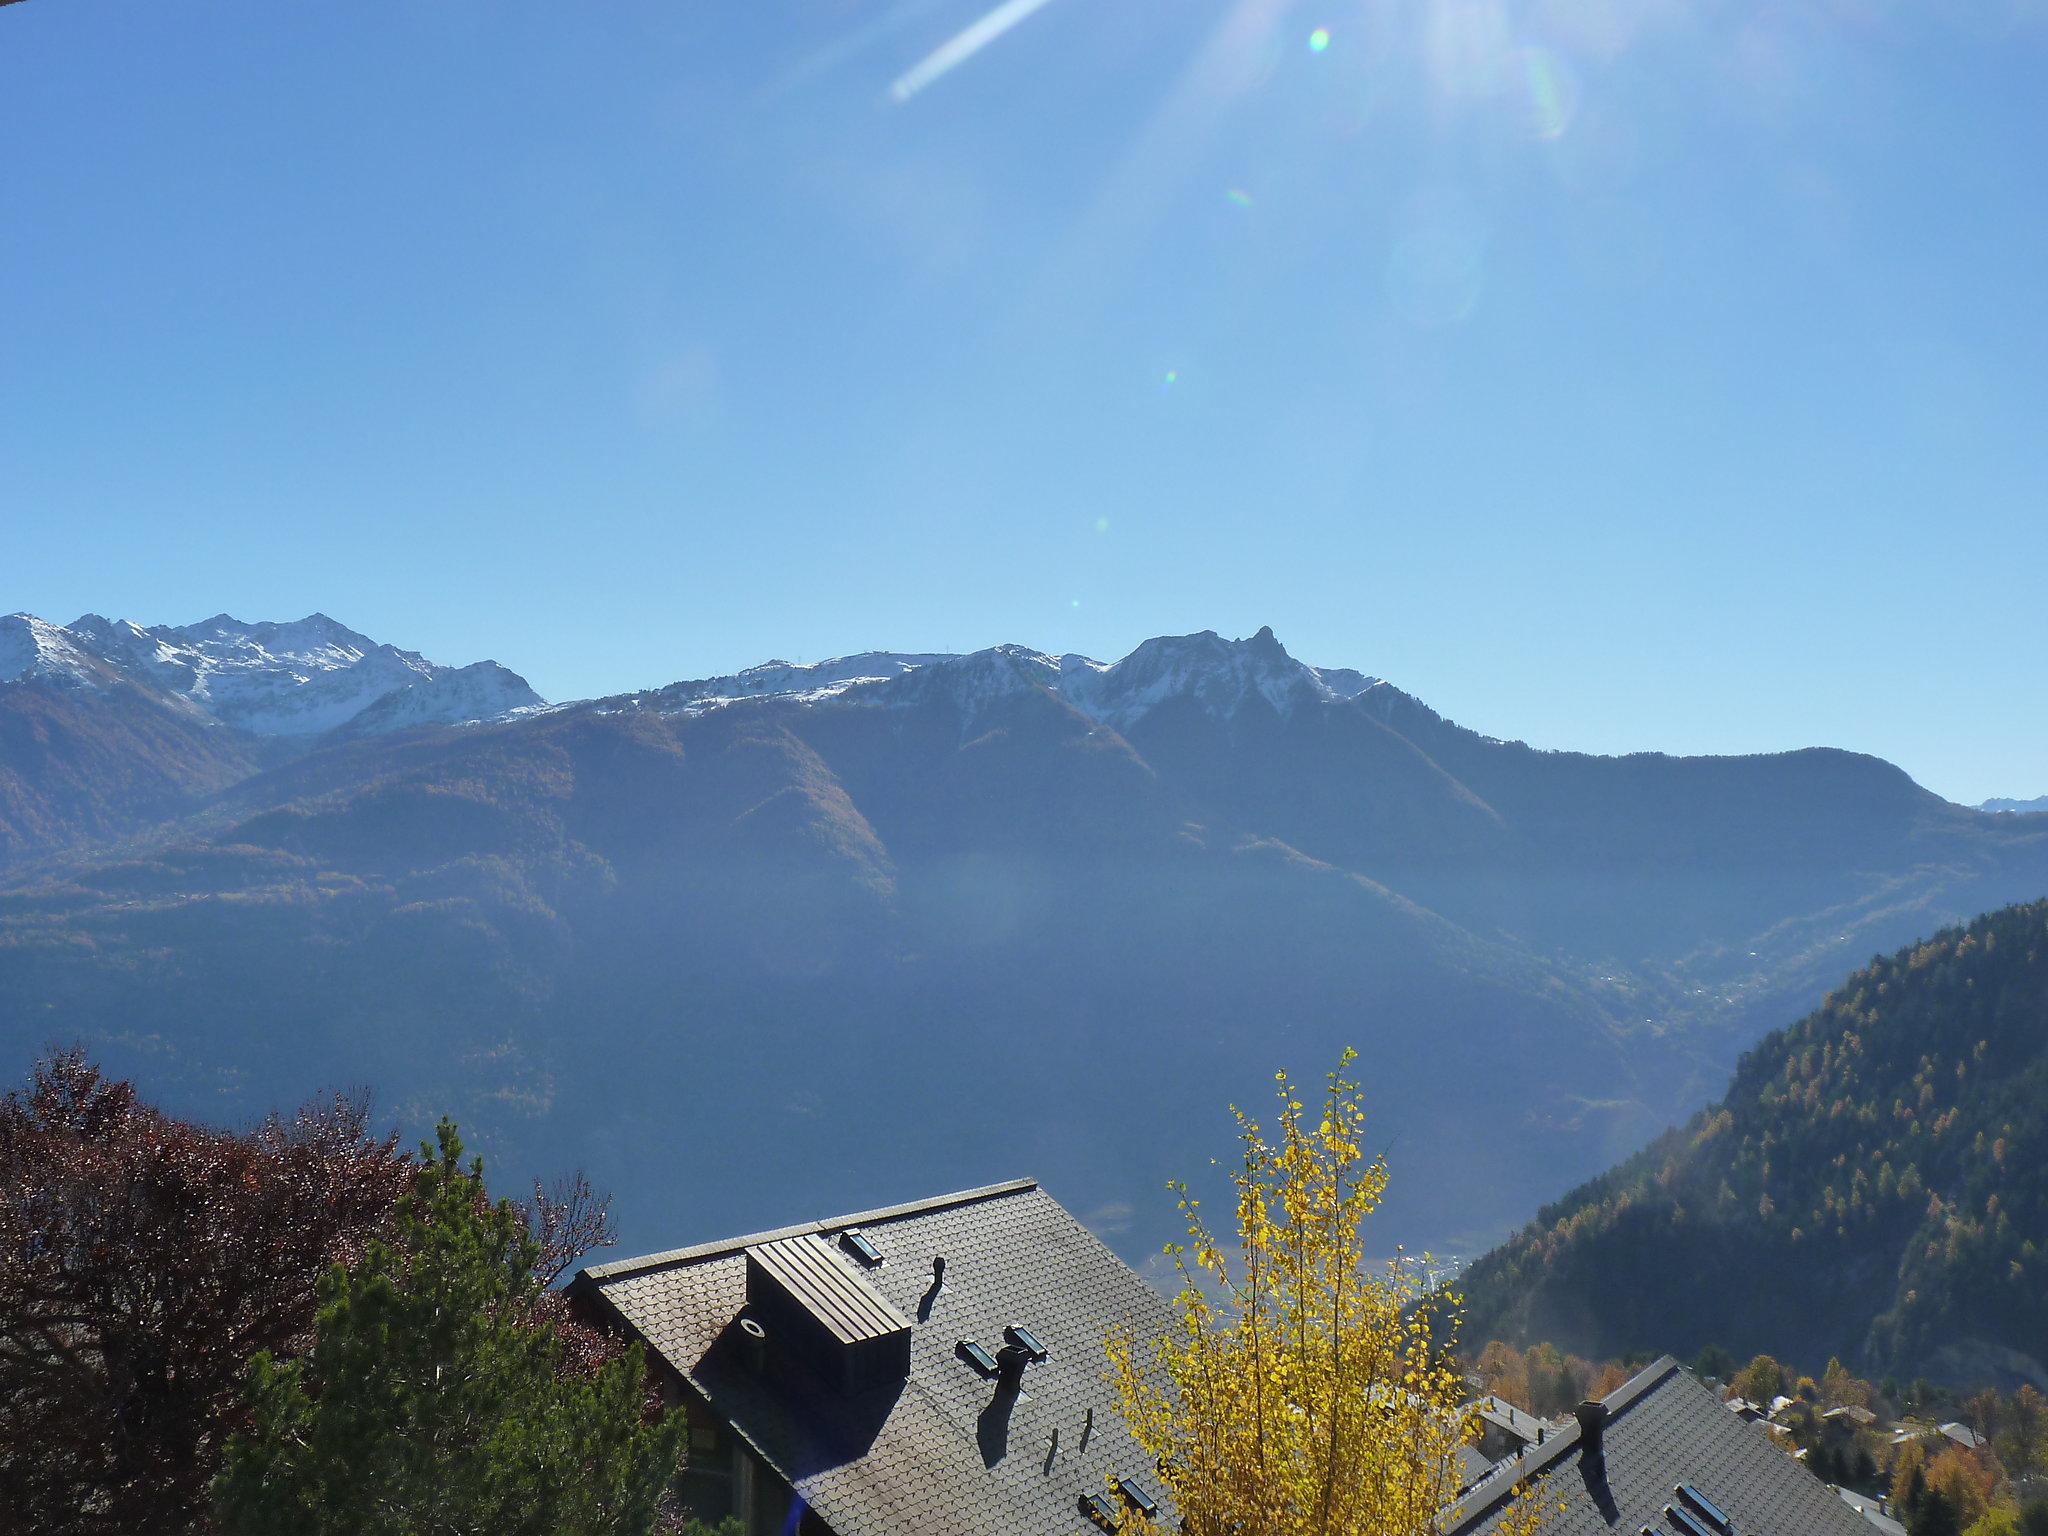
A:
(806, 1296)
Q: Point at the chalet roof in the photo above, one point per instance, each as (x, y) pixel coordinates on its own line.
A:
(943, 1452)
(1872, 1511)
(1963, 1435)
(1663, 1429)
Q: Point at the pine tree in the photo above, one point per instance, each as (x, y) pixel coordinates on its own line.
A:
(438, 1395)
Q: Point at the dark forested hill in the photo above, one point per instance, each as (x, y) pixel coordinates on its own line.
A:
(1874, 1186)
(805, 938)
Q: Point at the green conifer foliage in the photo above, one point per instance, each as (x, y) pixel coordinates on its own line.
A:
(436, 1398)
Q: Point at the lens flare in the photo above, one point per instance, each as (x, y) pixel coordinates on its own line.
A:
(1102, 525)
(1172, 377)
(1319, 40)
(1239, 197)
(1552, 92)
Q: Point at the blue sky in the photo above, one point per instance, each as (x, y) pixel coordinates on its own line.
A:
(1611, 373)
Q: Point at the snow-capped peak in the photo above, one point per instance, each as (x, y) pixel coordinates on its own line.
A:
(1219, 675)
(295, 679)
(35, 648)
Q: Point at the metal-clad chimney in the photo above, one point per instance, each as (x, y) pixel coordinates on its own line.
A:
(754, 1346)
(1010, 1362)
(1592, 1417)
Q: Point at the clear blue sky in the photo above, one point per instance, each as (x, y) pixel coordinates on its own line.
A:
(1610, 373)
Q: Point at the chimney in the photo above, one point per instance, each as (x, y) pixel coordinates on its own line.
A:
(754, 1346)
(1592, 1417)
(938, 1272)
(1010, 1362)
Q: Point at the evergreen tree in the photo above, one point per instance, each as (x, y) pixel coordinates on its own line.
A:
(439, 1396)
(1935, 1516)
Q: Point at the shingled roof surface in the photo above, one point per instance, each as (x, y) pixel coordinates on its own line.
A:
(943, 1454)
(1663, 1429)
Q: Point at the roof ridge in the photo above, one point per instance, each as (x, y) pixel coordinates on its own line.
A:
(621, 1267)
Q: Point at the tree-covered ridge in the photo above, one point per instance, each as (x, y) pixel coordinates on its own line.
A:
(1874, 1186)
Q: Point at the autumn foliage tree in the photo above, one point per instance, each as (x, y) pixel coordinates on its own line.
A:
(1302, 1392)
(143, 1260)
(1542, 1379)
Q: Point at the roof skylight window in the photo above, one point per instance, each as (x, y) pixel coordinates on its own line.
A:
(857, 1243)
(1025, 1340)
(1097, 1507)
(1706, 1506)
(977, 1357)
(1137, 1497)
(1686, 1520)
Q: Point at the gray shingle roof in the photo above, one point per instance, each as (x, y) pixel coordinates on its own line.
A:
(1663, 1429)
(942, 1456)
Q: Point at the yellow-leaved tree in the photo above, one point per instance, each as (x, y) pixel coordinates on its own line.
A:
(1301, 1392)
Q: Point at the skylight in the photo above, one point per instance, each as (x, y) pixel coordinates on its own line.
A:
(1706, 1506)
(977, 1357)
(1137, 1497)
(1686, 1521)
(1097, 1507)
(856, 1242)
(1025, 1340)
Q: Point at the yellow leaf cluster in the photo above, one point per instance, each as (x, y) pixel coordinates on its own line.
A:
(1302, 1390)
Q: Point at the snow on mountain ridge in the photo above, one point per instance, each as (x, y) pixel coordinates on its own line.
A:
(1220, 675)
(297, 679)
(782, 679)
(33, 647)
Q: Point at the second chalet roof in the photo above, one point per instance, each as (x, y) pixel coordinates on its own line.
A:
(940, 1453)
(1663, 1429)
(1519, 1422)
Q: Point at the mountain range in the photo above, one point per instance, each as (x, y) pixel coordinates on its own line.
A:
(808, 937)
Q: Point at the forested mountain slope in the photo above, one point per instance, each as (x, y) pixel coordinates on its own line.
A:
(1873, 1186)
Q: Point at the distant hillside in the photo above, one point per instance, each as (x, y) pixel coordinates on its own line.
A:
(1874, 1186)
(2038, 806)
(78, 768)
